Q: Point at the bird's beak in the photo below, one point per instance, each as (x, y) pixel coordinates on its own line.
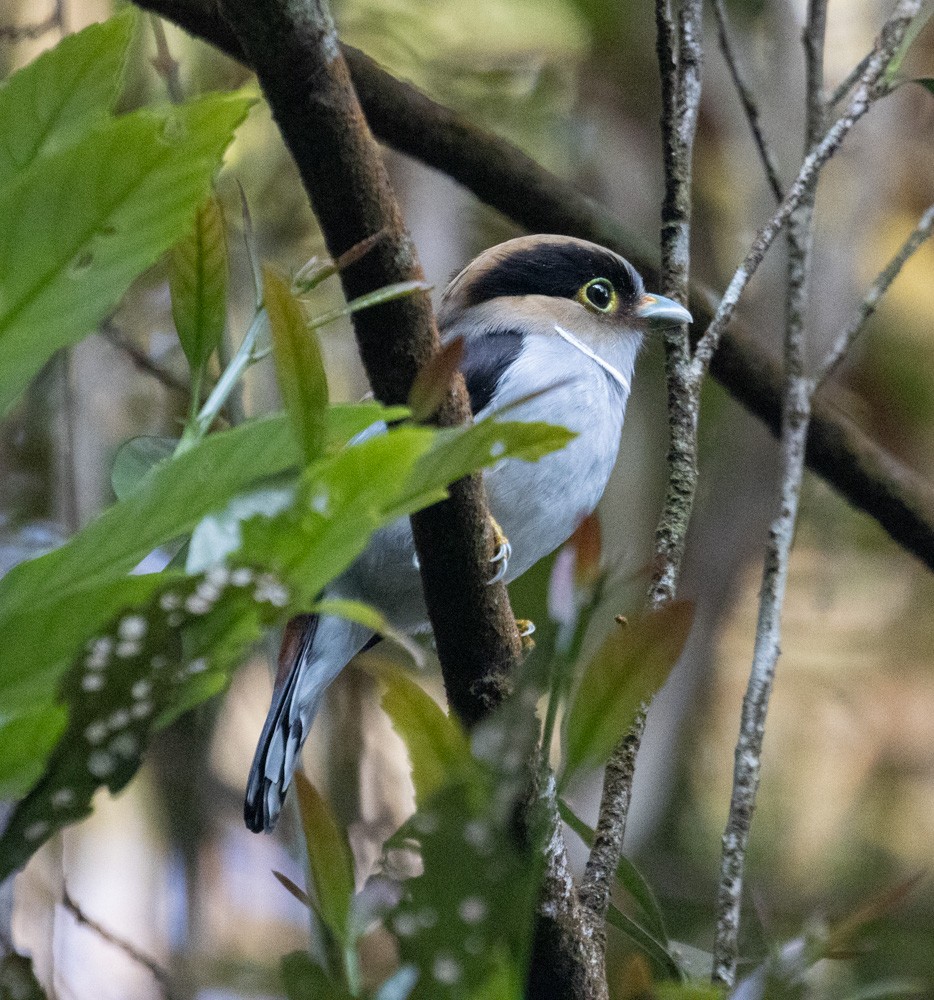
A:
(660, 313)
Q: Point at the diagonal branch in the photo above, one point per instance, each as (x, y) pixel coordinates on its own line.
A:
(502, 176)
(879, 287)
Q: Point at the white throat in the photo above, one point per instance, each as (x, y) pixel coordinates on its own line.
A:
(579, 345)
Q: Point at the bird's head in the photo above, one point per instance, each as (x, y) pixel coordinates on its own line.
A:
(534, 283)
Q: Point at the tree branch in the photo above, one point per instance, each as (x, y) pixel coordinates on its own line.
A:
(879, 287)
(750, 107)
(294, 50)
(502, 176)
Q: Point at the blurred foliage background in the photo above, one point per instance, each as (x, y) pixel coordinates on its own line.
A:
(846, 807)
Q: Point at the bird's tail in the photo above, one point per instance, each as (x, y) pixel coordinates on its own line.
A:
(314, 650)
(273, 764)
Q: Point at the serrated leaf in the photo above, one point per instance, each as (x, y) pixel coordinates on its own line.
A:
(51, 604)
(66, 261)
(629, 668)
(437, 745)
(299, 366)
(330, 862)
(62, 93)
(135, 458)
(198, 285)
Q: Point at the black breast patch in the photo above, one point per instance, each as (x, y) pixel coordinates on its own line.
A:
(486, 360)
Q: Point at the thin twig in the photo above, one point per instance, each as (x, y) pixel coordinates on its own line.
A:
(165, 64)
(750, 107)
(795, 419)
(143, 361)
(865, 95)
(879, 287)
(18, 33)
(160, 974)
(680, 58)
(848, 82)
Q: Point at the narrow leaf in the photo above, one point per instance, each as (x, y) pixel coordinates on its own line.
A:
(371, 618)
(304, 979)
(627, 874)
(292, 888)
(61, 94)
(927, 82)
(198, 284)
(66, 261)
(433, 383)
(299, 366)
(329, 859)
(643, 941)
(629, 668)
(438, 749)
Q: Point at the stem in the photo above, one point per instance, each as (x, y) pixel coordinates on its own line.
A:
(750, 107)
(246, 355)
(879, 287)
(795, 420)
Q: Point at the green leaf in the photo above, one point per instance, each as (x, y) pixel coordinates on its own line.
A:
(643, 940)
(629, 668)
(198, 284)
(50, 605)
(330, 862)
(927, 82)
(24, 743)
(458, 451)
(66, 261)
(135, 458)
(299, 366)
(62, 93)
(914, 29)
(438, 749)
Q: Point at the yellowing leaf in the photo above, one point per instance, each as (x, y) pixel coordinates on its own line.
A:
(329, 859)
(198, 283)
(629, 668)
(299, 367)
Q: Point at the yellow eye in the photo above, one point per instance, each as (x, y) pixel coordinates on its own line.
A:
(598, 294)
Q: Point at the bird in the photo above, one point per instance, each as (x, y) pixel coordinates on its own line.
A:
(551, 327)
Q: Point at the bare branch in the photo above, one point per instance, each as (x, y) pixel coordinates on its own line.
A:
(680, 70)
(879, 287)
(849, 81)
(750, 107)
(21, 32)
(864, 97)
(160, 974)
(142, 360)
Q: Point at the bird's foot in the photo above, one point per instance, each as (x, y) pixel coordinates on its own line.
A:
(526, 628)
(501, 554)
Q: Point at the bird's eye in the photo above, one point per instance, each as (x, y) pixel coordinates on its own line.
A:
(598, 294)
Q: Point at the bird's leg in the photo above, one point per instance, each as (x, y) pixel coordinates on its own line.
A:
(501, 554)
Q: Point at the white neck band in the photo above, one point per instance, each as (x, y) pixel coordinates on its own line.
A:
(614, 373)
